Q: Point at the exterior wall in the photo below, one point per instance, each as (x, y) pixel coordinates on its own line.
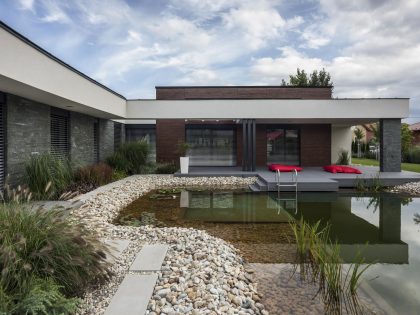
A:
(341, 138)
(244, 92)
(29, 71)
(168, 133)
(106, 138)
(28, 132)
(81, 139)
(315, 145)
(352, 111)
(390, 145)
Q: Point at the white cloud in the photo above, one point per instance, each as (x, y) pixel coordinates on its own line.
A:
(27, 4)
(370, 47)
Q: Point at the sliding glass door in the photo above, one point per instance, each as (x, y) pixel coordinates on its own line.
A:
(283, 146)
(211, 145)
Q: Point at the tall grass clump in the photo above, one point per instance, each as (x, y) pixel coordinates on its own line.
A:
(44, 245)
(47, 176)
(131, 157)
(94, 175)
(320, 262)
(343, 158)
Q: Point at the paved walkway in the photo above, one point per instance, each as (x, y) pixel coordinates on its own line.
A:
(135, 291)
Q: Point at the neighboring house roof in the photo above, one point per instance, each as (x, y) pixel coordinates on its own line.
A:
(415, 127)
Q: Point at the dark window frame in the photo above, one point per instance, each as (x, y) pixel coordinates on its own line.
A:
(285, 127)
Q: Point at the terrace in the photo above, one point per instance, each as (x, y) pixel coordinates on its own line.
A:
(310, 179)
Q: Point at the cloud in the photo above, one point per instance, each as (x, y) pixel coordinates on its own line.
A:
(370, 47)
(27, 5)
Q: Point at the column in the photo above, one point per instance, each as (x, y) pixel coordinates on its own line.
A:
(390, 145)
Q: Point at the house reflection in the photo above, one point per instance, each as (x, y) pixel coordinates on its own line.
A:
(379, 243)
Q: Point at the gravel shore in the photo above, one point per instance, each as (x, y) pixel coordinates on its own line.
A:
(412, 189)
(201, 274)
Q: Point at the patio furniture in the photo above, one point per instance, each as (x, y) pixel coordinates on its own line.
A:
(284, 168)
(341, 169)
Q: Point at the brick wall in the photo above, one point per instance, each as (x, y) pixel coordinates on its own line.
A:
(169, 132)
(315, 145)
(28, 132)
(274, 92)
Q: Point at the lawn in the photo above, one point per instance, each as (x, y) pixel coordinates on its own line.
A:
(405, 166)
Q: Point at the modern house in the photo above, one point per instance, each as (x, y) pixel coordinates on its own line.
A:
(48, 106)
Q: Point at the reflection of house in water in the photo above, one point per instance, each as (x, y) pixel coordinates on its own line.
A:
(354, 234)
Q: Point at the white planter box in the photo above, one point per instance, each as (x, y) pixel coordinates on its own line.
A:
(184, 162)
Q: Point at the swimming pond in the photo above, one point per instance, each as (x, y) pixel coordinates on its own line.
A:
(384, 228)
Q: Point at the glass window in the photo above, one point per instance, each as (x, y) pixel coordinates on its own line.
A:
(283, 146)
(211, 145)
(146, 132)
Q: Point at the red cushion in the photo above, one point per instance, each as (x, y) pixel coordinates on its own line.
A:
(333, 169)
(341, 169)
(350, 170)
(284, 168)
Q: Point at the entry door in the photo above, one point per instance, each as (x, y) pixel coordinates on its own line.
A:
(211, 145)
(283, 146)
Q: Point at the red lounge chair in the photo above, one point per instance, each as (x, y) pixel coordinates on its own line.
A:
(341, 169)
(284, 168)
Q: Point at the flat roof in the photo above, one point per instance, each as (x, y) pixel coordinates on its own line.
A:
(238, 86)
(51, 56)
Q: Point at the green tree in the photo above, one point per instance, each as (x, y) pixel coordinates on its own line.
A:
(320, 78)
(359, 134)
(406, 139)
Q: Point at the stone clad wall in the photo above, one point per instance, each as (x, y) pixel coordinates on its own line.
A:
(106, 138)
(390, 134)
(81, 139)
(28, 132)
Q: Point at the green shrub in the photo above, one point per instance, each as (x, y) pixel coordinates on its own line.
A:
(343, 158)
(131, 157)
(96, 175)
(118, 175)
(38, 296)
(413, 156)
(44, 244)
(166, 168)
(47, 176)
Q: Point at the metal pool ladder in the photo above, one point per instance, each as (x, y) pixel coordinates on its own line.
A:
(293, 184)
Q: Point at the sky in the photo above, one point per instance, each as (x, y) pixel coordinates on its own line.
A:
(370, 47)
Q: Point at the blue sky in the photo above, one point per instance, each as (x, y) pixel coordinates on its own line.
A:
(371, 48)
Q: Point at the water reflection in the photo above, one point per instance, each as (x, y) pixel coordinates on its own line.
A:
(378, 242)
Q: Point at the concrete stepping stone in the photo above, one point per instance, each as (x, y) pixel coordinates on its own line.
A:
(133, 295)
(150, 258)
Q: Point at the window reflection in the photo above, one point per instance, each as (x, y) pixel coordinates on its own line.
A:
(283, 146)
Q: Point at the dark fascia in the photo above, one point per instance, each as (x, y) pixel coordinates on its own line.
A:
(51, 56)
(241, 86)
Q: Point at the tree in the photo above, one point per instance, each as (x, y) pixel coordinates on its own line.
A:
(359, 134)
(406, 139)
(315, 79)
